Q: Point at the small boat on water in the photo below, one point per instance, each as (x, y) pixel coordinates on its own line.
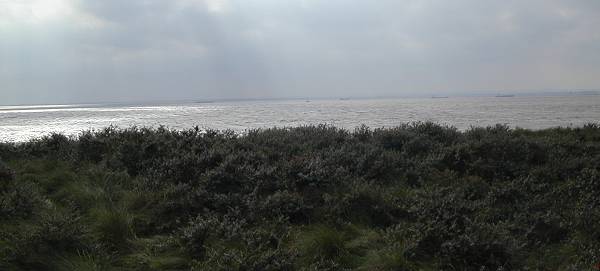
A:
(439, 97)
(505, 96)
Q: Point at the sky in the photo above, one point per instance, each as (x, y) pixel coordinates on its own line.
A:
(73, 51)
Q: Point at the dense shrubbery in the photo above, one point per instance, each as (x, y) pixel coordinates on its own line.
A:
(416, 197)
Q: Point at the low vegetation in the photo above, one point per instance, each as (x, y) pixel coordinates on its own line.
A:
(415, 197)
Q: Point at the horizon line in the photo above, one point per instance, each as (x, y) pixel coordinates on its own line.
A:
(524, 93)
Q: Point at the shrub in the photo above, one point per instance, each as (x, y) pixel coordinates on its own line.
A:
(34, 246)
(419, 196)
(6, 174)
(20, 200)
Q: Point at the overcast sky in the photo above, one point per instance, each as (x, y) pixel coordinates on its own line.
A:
(62, 51)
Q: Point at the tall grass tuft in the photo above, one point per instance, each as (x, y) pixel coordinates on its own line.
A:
(323, 244)
(113, 228)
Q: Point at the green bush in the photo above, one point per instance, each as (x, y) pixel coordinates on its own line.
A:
(419, 196)
(6, 174)
(35, 246)
(20, 200)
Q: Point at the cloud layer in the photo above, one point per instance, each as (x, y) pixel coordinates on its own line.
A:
(114, 50)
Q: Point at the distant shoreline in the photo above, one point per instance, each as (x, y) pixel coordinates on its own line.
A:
(341, 98)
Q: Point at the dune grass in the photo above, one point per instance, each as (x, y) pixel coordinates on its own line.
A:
(419, 196)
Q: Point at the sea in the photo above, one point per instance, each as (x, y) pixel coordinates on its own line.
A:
(24, 123)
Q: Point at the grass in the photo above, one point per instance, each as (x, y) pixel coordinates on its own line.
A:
(113, 228)
(416, 197)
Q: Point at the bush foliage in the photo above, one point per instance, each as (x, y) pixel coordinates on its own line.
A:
(419, 196)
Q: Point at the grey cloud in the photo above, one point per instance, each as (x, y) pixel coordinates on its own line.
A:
(180, 49)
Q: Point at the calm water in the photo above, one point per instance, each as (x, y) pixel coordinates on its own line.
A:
(20, 123)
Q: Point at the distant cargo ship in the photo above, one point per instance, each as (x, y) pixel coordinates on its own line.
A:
(505, 96)
(439, 97)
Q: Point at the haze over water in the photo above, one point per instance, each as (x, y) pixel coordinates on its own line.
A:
(22, 123)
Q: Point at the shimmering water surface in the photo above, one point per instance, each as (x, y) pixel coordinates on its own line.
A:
(21, 123)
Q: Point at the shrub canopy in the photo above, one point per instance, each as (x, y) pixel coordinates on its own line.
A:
(419, 196)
